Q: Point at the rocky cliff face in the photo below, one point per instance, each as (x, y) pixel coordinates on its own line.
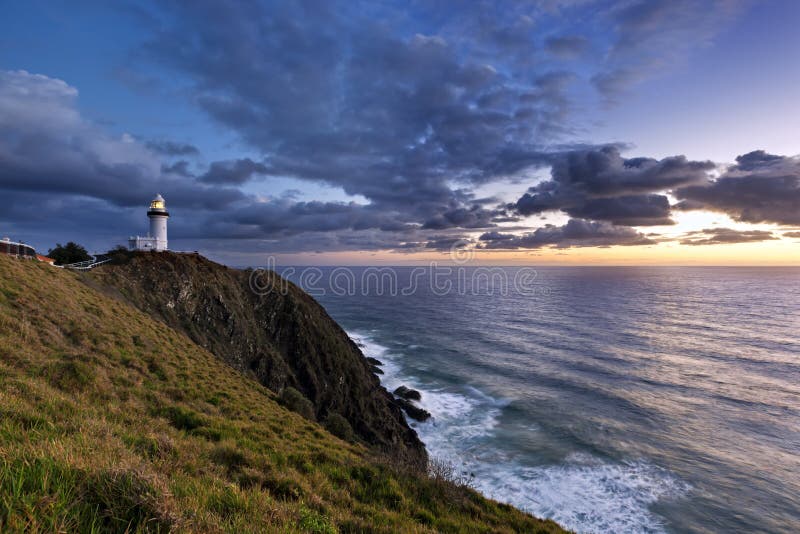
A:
(281, 335)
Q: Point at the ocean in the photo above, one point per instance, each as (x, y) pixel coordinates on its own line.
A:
(625, 399)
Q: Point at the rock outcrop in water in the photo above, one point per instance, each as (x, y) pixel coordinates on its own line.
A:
(283, 337)
(408, 394)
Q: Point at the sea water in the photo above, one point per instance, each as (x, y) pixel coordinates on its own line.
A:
(607, 399)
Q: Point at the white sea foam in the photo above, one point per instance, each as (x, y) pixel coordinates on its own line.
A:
(585, 494)
(582, 493)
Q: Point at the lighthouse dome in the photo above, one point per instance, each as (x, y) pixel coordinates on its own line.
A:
(158, 203)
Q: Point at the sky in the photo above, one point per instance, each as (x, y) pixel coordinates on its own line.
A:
(576, 132)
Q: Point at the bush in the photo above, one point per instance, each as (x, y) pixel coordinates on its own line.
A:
(120, 255)
(339, 427)
(69, 253)
(297, 402)
(443, 471)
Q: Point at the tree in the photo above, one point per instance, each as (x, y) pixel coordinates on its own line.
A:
(69, 253)
(119, 255)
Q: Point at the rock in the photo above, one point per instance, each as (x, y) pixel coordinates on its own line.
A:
(414, 412)
(267, 328)
(373, 361)
(408, 393)
(377, 370)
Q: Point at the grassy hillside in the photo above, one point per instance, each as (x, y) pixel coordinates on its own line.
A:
(282, 337)
(111, 421)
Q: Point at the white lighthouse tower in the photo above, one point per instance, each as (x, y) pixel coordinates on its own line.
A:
(157, 237)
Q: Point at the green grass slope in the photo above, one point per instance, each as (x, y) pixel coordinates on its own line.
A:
(112, 421)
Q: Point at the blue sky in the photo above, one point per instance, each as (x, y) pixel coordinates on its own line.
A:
(351, 132)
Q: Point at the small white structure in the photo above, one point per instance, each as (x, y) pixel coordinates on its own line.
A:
(156, 239)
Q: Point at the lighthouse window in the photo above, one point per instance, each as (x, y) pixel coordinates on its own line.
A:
(157, 205)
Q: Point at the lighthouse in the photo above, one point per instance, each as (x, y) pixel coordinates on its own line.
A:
(157, 238)
(158, 215)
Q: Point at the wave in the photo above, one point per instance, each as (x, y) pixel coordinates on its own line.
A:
(583, 493)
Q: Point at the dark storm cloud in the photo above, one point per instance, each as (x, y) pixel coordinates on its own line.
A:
(284, 216)
(598, 183)
(335, 96)
(235, 172)
(171, 148)
(760, 188)
(51, 158)
(42, 219)
(630, 210)
(723, 236)
(575, 233)
(462, 217)
(410, 108)
(755, 160)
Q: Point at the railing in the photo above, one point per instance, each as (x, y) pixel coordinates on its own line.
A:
(88, 264)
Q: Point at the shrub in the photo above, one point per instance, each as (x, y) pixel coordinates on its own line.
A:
(440, 470)
(297, 402)
(120, 255)
(69, 253)
(337, 425)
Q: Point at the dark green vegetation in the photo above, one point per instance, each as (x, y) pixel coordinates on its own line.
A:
(113, 421)
(69, 253)
(278, 335)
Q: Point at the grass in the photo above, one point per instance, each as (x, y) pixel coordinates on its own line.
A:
(112, 422)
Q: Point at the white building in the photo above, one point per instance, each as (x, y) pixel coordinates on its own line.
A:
(156, 239)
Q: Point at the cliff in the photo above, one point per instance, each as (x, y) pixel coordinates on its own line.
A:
(281, 336)
(112, 421)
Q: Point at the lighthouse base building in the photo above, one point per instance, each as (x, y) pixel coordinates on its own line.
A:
(156, 239)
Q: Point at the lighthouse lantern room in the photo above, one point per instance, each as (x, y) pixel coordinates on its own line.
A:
(156, 240)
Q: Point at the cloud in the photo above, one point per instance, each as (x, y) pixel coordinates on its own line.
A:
(724, 236)
(171, 148)
(630, 210)
(329, 95)
(233, 172)
(654, 36)
(410, 109)
(575, 233)
(760, 188)
(46, 146)
(52, 157)
(599, 184)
